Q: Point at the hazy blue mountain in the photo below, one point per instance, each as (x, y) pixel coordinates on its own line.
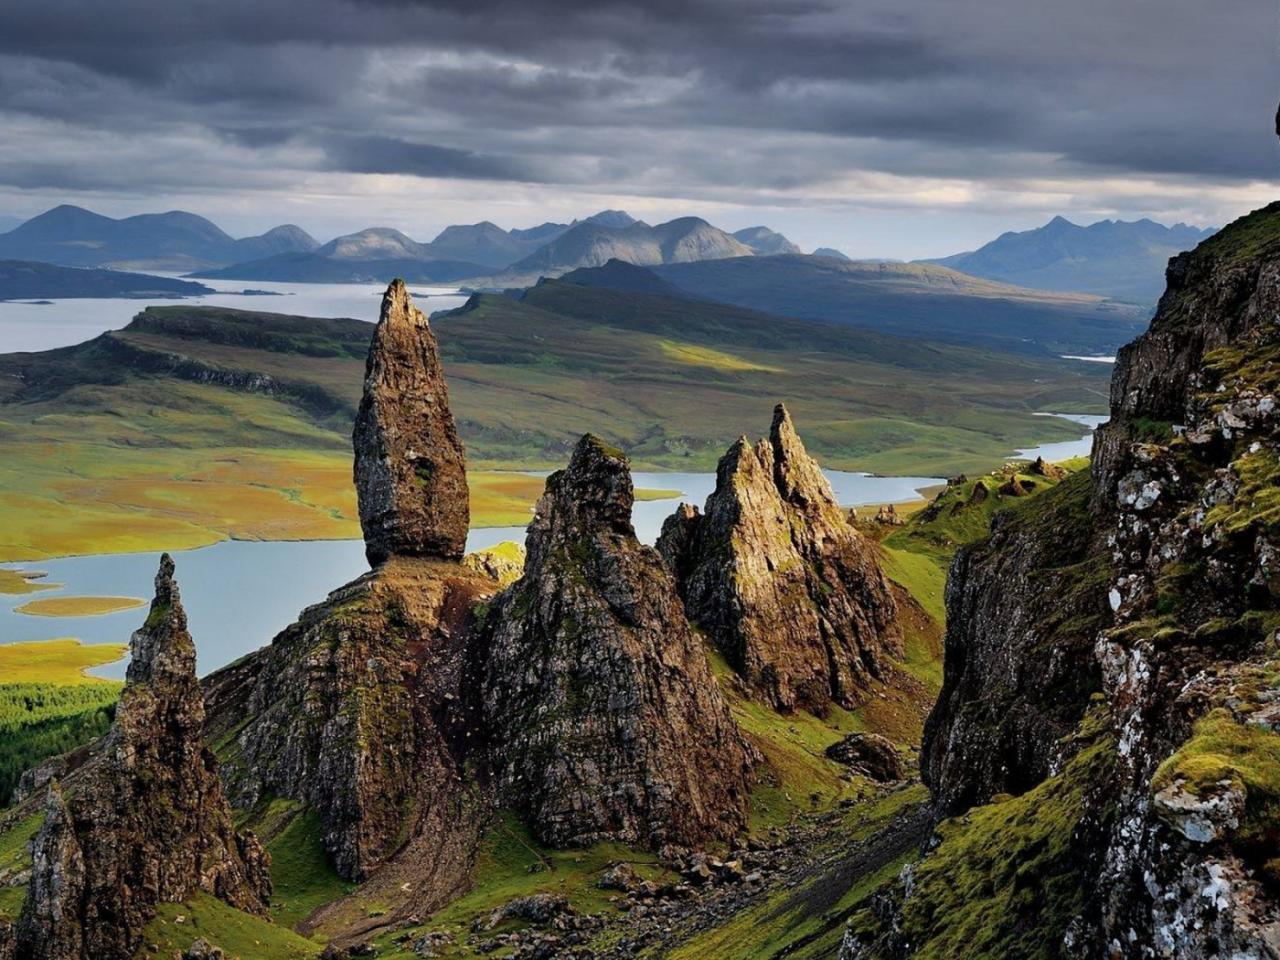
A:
(831, 252)
(488, 244)
(8, 223)
(1113, 258)
(24, 280)
(318, 268)
(592, 244)
(177, 240)
(288, 238)
(765, 242)
(914, 300)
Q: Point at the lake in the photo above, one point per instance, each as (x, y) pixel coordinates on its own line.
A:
(239, 594)
(26, 326)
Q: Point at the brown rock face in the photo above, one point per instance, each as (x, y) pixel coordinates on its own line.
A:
(147, 822)
(410, 469)
(355, 711)
(604, 718)
(779, 579)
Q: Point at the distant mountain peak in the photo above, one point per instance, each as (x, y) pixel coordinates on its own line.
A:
(765, 241)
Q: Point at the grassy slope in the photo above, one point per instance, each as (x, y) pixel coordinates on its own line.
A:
(128, 442)
(912, 299)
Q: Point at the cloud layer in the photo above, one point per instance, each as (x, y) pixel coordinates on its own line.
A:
(812, 110)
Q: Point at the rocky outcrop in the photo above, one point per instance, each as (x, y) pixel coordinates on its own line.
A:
(355, 711)
(870, 755)
(603, 718)
(1174, 538)
(1024, 608)
(782, 583)
(146, 823)
(410, 469)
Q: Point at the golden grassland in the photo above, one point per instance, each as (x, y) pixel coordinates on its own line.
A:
(20, 582)
(78, 606)
(62, 662)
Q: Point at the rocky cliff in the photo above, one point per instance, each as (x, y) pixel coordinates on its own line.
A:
(602, 715)
(780, 581)
(410, 469)
(146, 822)
(1144, 612)
(357, 712)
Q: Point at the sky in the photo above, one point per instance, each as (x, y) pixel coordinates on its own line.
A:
(885, 128)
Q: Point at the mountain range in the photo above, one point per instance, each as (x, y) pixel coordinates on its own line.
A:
(75, 237)
(1112, 258)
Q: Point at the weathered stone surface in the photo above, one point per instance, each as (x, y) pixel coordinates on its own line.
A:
(869, 754)
(146, 822)
(779, 579)
(603, 717)
(1173, 530)
(1024, 608)
(410, 471)
(356, 712)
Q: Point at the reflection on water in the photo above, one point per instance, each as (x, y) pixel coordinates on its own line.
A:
(239, 594)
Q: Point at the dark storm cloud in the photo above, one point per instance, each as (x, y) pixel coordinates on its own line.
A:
(662, 95)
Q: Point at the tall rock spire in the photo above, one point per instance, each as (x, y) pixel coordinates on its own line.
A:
(146, 822)
(775, 574)
(410, 468)
(604, 717)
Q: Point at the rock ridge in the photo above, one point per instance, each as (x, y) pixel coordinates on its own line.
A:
(779, 579)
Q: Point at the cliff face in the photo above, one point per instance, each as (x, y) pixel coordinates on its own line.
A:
(146, 823)
(1154, 593)
(602, 715)
(410, 469)
(357, 711)
(1024, 608)
(779, 579)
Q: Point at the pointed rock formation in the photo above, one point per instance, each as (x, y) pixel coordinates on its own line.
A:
(604, 718)
(779, 579)
(410, 469)
(145, 823)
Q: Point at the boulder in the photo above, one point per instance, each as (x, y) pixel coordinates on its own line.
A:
(869, 754)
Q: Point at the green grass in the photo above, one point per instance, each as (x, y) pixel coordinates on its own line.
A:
(1005, 881)
(15, 857)
(303, 879)
(242, 935)
(513, 864)
(19, 582)
(40, 720)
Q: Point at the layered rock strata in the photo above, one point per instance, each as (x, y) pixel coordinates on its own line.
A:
(603, 717)
(410, 468)
(776, 576)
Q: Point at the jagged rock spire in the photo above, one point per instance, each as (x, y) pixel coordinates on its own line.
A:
(604, 717)
(785, 586)
(410, 468)
(146, 821)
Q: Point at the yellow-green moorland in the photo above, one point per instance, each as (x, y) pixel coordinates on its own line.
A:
(78, 606)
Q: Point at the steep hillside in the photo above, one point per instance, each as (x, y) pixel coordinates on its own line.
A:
(1112, 258)
(916, 300)
(1107, 724)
